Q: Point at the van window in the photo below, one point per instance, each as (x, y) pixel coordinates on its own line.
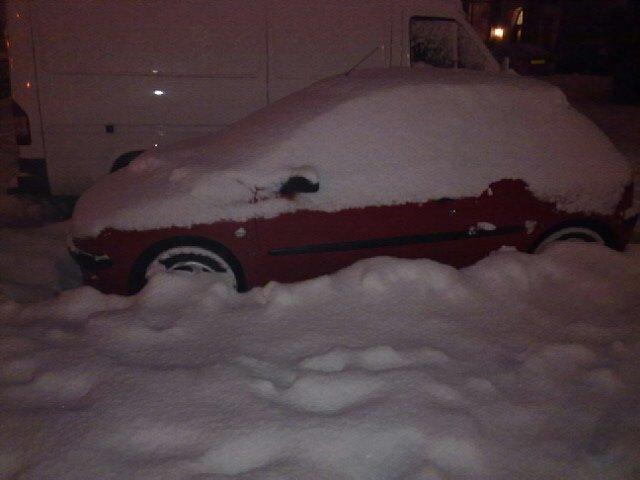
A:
(442, 42)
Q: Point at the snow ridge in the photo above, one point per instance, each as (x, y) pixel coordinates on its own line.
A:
(522, 366)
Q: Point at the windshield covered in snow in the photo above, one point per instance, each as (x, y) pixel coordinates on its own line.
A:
(444, 43)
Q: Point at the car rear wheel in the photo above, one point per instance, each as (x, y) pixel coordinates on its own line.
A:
(193, 257)
(570, 234)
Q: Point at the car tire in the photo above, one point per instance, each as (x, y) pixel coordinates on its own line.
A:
(124, 160)
(570, 234)
(191, 256)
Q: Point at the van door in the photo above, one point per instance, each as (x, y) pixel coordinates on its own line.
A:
(303, 244)
(118, 75)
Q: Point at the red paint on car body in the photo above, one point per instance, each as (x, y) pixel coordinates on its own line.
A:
(305, 244)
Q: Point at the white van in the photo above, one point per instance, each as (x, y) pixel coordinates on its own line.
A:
(96, 81)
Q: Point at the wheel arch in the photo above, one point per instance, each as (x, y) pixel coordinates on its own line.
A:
(137, 274)
(125, 159)
(598, 226)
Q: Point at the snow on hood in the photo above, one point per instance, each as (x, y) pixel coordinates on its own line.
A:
(383, 136)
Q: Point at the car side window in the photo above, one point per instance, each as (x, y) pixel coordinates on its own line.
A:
(442, 42)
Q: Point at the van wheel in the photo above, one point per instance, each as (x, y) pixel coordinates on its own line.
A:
(124, 160)
(193, 257)
(570, 234)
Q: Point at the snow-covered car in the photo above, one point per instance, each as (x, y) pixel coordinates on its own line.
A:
(443, 164)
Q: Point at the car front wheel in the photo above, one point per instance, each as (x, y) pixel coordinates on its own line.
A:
(196, 257)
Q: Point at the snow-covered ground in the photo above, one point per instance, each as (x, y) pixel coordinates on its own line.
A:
(589, 94)
(35, 264)
(622, 124)
(24, 210)
(522, 366)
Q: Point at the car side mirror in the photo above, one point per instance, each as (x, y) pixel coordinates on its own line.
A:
(298, 184)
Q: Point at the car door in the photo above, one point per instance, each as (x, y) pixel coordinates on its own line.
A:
(307, 243)
(459, 232)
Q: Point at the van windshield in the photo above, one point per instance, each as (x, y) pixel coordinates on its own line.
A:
(444, 43)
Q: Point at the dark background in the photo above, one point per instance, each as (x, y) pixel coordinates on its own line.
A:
(595, 37)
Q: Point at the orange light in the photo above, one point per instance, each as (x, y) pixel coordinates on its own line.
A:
(497, 33)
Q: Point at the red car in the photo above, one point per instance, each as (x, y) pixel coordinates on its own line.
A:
(446, 165)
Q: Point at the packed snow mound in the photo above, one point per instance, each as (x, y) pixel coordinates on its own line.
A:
(522, 366)
(35, 263)
(384, 136)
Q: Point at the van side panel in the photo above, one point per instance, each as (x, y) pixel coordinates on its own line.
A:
(24, 81)
(109, 77)
(194, 37)
(121, 75)
(310, 40)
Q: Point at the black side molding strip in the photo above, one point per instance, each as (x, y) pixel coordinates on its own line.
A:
(395, 241)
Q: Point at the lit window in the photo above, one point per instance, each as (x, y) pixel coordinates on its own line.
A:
(497, 33)
(518, 23)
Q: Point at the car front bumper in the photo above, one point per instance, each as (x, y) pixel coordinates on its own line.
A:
(99, 271)
(88, 261)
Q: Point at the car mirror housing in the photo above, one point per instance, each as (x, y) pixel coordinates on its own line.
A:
(299, 184)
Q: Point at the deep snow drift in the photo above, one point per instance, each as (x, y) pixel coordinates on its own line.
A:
(376, 137)
(522, 366)
(35, 263)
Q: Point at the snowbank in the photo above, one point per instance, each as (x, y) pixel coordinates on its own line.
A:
(22, 211)
(35, 263)
(523, 366)
(375, 137)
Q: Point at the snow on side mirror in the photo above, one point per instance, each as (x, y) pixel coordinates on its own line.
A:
(300, 180)
(298, 184)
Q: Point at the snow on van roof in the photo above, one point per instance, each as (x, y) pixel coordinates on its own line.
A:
(382, 136)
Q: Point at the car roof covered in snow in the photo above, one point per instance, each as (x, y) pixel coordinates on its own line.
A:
(373, 137)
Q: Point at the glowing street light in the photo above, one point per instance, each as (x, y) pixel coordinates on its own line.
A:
(497, 33)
